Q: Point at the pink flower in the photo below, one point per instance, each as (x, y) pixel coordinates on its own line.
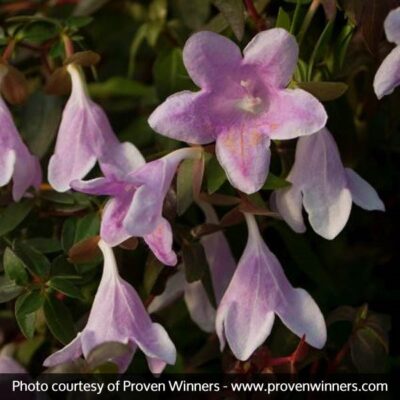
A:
(325, 188)
(16, 162)
(118, 315)
(387, 77)
(9, 366)
(242, 104)
(85, 136)
(258, 290)
(137, 192)
(222, 266)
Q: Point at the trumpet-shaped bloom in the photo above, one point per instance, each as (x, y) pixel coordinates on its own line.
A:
(258, 290)
(387, 77)
(325, 188)
(242, 104)
(137, 192)
(9, 366)
(84, 137)
(118, 315)
(222, 266)
(16, 162)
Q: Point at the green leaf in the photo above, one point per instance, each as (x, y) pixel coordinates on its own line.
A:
(215, 175)
(60, 198)
(8, 289)
(40, 119)
(14, 268)
(283, 19)
(30, 302)
(233, 11)
(27, 320)
(13, 215)
(170, 75)
(28, 349)
(184, 186)
(77, 22)
(194, 260)
(118, 86)
(45, 245)
(275, 182)
(36, 262)
(324, 91)
(59, 320)
(39, 31)
(65, 286)
(194, 13)
(152, 271)
(87, 7)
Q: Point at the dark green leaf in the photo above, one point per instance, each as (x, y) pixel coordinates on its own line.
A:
(194, 13)
(275, 182)
(30, 302)
(40, 119)
(324, 91)
(45, 245)
(59, 320)
(14, 268)
(194, 260)
(8, 289)
(87, 7)
(26, 321)
(65, 286)
(184, 186)
(283, 19)
(60, 198)
(215, 175)
(170, 75)
(78, 22)
(13, 215)
(152, 271)
(120, 87)
(38, 32)
(233, 11)
(36, 262)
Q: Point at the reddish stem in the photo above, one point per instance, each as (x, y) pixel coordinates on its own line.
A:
(254, 15)
(8, 50)
(68, 45)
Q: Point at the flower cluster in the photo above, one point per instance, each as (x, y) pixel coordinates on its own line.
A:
(243, 104)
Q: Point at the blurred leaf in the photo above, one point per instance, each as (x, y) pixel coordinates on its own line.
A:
(39, 31)
(86, 58)
(56, 197)
(65, 286)
(329, 7)
(368, 351)
(194, 260)
(14, 268)
(298, 1)
(215, 175)
(30, 302)
(77, 22)
(275, 182)
(28, 348)
(13, 215)
(341, 45)
(45, 245)
(106, 352)
(343, 313)
(152, 271)
(14, 86)
(194, 13)
(59, 320)
(87, 7)
(120, 87)
(283, 19)
(170, 75)
(85, 251)
(233, 11)
(324, 91)
(184, 186)
(36, 262)
(60, 266)
(137, 40)
(8, 289)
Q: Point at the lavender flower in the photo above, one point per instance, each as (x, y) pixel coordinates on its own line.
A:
(16, 162)
(242, 104)
(387, 77)
(137, 197)
(118, 315)
(258, 290)
(325, 188)
(222, 266)
(85, 136)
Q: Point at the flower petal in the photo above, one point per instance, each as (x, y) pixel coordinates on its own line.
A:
(209, 58)
(120, 160)
(27, 172)
(9, 366)
(185, 116)
(70, 352)
(392, 26)
(7, 163)
(99, 187)
(289, 204)
(387, 77)
(275, 53)
(362, 193)
(112, 230)
(294, 113)
(302, 316)
(245, 157)
(160, 243)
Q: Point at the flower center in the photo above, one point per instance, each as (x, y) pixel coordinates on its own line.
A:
(250, 103)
